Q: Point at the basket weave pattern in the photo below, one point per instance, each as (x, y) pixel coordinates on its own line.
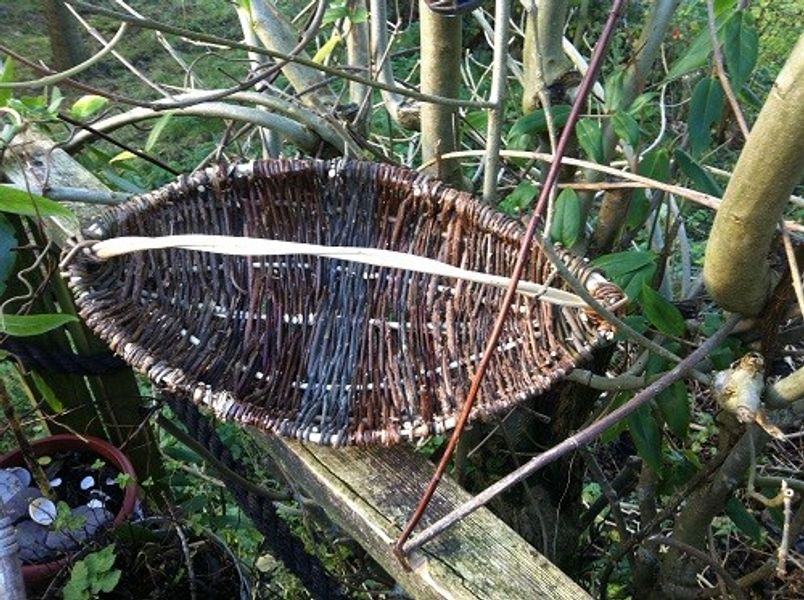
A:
(317, 348)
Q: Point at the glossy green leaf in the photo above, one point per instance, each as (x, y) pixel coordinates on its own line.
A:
(744, 520)
(477, 119)
(699, 176)
(647, 436)
(706, 109)
(519, 199)
(675, 406)
(88, 105)
(566, 226)
(27, 325)
(47, 393)
(6, 76)
(590, 137)
(535, 122)
(8, 257)
(156, 131)
(740, 48)
(20, 202)
(656, 165)
(662, 314)
(626, 128)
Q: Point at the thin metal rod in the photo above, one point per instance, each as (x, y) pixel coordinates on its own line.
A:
(575, 441)
(524, 252)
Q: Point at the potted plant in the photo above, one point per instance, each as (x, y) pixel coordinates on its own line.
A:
(92, 487)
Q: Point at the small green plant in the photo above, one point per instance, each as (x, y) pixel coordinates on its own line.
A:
(93, 575)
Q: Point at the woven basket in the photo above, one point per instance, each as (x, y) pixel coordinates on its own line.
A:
(321, 349)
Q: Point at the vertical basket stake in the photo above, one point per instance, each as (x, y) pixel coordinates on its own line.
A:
(550, 181)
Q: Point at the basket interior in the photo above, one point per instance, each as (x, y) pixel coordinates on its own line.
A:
(328, 350)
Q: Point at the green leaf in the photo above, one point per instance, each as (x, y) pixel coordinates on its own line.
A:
(656, 165)
(613, 432)
(706, 109)
(700, 178)
(662, 315)
(336, 10)
(108, 581)
(566, 218)
(613, 88)
(630, 270)
(157, 130)
(697, 54)
(675, 406)
(6, 76)
(626, 128)
(88, 105)
(27, 325)
(121, 156)
(535, 122)
(477, 119)
(519, 199)
(590, 137)
(8, 257)
(740, 48)
(21, 202)
(47, 393)
(647, 437)
(327, 49)
(744, 520)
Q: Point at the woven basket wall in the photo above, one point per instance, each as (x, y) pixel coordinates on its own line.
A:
(327, 350)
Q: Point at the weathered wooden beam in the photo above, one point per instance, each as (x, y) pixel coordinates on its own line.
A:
(370, 492)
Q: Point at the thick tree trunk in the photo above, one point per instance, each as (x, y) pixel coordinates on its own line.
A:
(66, 45)
(736, 270)
(441, 74)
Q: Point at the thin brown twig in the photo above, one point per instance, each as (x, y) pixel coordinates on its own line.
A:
(525, 248)
(721, 71)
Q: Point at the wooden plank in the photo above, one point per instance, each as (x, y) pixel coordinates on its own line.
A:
(370, 492)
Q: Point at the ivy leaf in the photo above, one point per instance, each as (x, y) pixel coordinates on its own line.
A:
(740, 48)
(647, 437)
(88, 105)
(8, 241)
(590, 137)
(519, 199)
(706, 109)
(697, 174)
(28, 325)
(535, 122)
(566, 218)
(21, 202)
(744, 520)
(626, 128)
(675, 406)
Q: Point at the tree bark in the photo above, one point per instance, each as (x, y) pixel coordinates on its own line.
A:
(441, 43)
(66, 45)
(543, 58)
(736, 270)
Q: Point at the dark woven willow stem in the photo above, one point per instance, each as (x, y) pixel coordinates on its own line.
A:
(317, 348)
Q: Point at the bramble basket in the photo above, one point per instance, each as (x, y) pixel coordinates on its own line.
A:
(315, 346)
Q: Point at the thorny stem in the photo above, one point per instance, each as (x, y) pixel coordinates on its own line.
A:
(578, 440)
(400, 548)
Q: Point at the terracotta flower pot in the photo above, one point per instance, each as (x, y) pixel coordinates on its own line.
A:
(35, 575)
